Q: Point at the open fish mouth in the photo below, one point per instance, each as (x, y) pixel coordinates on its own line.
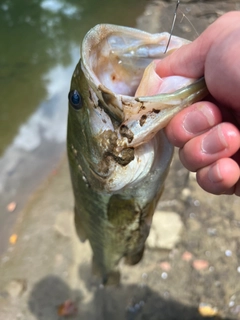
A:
(114, 59)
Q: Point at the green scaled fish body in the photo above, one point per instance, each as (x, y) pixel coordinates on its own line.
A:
(118, 155)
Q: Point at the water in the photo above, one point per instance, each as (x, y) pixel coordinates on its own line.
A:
(40, 45)
(38, 36)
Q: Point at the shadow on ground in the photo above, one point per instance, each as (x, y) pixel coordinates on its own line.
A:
(130, 302)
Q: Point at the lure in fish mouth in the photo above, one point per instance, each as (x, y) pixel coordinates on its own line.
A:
(118, 155)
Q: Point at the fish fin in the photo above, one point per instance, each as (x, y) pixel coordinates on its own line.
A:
(133, 259)
(78, 225)
(112, 278)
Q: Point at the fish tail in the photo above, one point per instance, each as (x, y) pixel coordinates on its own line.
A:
(107, 278)
(133, 259)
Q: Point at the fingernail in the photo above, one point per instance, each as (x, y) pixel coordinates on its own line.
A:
(214, 174)
(214, 141)
(199, 119)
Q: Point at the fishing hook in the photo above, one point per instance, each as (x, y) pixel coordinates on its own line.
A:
(172, 27)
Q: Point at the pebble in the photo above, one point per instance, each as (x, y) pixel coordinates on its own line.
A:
(165, 266)
(231, 303)
(196, 203)
(192, 176)
(15, 288)
(200, 264)
(187, 256)
(186, 192)
(228, 253)
(11, 206)
(13, 238)
(165, 231)
(212, 231)
(206, 310)
(164, 275)
(67, 308)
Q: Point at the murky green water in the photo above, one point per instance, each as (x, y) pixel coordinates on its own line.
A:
(39, 49)
(38, 35)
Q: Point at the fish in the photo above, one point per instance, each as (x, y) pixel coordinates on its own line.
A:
(118, 154)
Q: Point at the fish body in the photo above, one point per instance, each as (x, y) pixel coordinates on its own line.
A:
(118, 155)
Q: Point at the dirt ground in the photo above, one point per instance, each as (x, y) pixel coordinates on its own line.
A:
(45, 274)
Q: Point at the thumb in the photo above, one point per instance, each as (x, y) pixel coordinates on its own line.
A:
(189, 60)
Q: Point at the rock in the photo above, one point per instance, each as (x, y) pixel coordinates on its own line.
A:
(206, 310)
(15, 288)
(64, 224)
(200, 264)
(165, 231)
(165, 266)
(186, 193)
(187, 256)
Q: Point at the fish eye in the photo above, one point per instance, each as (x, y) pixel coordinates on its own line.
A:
(75, 99)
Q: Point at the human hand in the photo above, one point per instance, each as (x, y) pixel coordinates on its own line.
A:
(207, 132)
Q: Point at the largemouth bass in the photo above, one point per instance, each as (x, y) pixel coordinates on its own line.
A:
(118, 155)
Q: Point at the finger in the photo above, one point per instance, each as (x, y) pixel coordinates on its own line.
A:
(220, 177)
(192, 121)
(222, 141)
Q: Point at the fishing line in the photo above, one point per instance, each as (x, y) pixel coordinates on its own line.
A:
(189, 21)
(173, 23)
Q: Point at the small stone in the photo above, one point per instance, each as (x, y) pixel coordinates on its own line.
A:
(206, 310)
(165, 266)
(13, 238)
(67, 308)
(165, 231)
(200, 264)
(164, 275)
(192, 215)
(228, 253)
(192, 176)
(11, 206)
(15, 288)
(187, 256)
(212, 231)
(144, 276)
(186, 192)
(231, 303)
(196, 203)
